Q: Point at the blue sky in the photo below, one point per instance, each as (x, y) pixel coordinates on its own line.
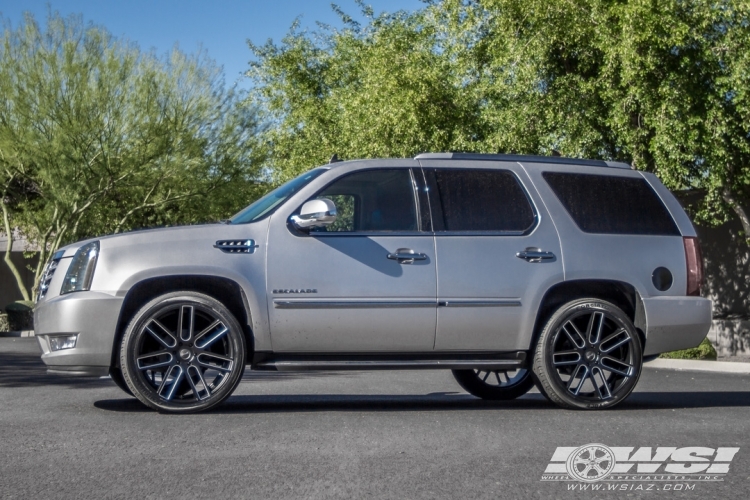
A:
(221, 27)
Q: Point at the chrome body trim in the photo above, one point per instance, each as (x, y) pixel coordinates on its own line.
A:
(349, 304)
(479, 303)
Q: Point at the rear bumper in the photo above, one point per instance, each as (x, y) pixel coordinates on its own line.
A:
(673, 323)
(93, 317)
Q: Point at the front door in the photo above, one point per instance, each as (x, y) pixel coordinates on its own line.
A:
(351, 287)
(497, 251)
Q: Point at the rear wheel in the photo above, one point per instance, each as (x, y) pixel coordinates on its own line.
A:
(183, 352)
(495, 384)
(588, 356)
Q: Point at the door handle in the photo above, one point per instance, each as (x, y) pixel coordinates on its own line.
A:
(533, 254)
(406, 256)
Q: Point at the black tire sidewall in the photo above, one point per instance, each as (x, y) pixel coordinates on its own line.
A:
(470, 382)
(128, 352)
(545, 374)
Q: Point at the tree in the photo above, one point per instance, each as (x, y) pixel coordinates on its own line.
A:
(102, 137)
(378, 90)
(660, 84)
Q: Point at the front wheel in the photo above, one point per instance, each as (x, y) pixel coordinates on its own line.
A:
(495, 384)
(588, 356)
(183, 352)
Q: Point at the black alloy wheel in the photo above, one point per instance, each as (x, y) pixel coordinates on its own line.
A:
(183, 352)
(589, 356)
(495, 385)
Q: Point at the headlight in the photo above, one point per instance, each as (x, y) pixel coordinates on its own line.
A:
(81, 270)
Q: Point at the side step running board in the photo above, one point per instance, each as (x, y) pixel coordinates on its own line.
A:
(506, 361)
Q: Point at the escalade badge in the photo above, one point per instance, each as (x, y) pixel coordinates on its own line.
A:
(296, 290)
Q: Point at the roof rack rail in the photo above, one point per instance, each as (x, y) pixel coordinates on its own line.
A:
(521, 158)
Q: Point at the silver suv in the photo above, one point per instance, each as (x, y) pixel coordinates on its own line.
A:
(509, 270)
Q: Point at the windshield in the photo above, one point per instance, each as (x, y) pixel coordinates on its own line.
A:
(267, 204)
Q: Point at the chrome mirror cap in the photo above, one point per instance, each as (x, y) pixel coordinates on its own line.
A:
(315, 213)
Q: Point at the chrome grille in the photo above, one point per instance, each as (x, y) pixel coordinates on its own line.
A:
(49, 272)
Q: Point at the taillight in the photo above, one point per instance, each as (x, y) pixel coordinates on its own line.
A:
(694, 265)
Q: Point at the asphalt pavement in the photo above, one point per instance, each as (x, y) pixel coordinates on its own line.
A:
(391, 434)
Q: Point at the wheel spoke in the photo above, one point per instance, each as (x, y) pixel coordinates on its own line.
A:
(616, 366)
(576, 337)
(160, 332)
(582, 379)
(487, 374)
(201, 359)
(566, 358)
(210, 339)
(185, 323)
(497, 376)
(194, 371)
(176, 373)
(600, 382)
(603, 347)
(594, 330)
(143, 365)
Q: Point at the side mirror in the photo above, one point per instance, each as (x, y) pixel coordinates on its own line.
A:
(315, 213)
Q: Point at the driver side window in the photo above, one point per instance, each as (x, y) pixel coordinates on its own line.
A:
(372, 200)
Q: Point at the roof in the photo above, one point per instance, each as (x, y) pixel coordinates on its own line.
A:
(522, 159)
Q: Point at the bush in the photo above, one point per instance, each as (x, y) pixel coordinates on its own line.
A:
(20, 315)
(704, 351)
(4, 327)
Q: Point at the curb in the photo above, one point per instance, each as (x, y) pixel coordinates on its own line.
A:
(700, 366)
(22, 333)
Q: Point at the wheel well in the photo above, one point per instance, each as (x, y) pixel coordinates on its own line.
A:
(619, 293)
(224, 290)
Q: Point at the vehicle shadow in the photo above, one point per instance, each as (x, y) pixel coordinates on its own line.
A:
(441, 401)
(23, 369)
(28, 370)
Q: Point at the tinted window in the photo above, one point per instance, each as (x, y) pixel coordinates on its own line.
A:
(481, 200)
(271, 201)
(612, 205)
(373, 200)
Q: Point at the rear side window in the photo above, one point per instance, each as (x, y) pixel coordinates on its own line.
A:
(612, 205)
(481, 200)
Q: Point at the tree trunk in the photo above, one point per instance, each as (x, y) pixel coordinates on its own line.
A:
(729, 198)
(13, 269)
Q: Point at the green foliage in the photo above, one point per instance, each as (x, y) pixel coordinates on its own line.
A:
(98, 137)
(362, 92)
(704, 351)
(662, 85)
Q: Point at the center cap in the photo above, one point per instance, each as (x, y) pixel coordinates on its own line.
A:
(590, 356)
(185, 354)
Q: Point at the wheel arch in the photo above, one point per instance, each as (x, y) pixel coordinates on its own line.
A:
(225, 290)
(622, 294)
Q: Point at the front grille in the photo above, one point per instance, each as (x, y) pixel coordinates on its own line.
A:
(49, 272)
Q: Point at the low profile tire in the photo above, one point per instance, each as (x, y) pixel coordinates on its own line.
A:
(116, 376)
(588, 356)
(183, 352)
(495, 384)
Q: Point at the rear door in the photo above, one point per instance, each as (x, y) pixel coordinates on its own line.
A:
(497, 252)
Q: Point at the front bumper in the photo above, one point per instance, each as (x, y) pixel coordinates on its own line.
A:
(93, 317)
(674, 323)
